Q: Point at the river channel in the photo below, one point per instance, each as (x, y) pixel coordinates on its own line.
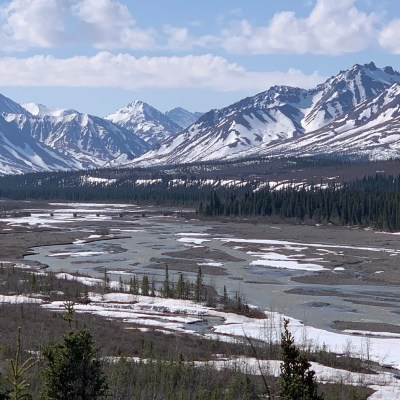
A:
(314, 274)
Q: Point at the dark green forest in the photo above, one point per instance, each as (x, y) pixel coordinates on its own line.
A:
(372, 201)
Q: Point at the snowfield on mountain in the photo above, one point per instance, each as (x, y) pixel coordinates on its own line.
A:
(353, 114)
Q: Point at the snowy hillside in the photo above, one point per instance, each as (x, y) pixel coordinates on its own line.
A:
(371, 129)
(257, 125)
(146, 122)
(355, 113)
(77, 140)
(21, 153)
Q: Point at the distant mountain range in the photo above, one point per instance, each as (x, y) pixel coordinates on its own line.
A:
(340, 116)
(146, 122)
(35, 138)
(353, 114)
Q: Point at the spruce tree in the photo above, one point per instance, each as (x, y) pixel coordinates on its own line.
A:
(106, 281)
(166, 291)
(198, 290)
(180, 287)
(134, 285)
(296, 381)
(73, 370)
(225, 296)
(19, 386)
(145, 285)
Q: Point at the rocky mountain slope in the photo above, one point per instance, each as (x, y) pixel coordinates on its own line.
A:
(371, 129)
(352, 114)
(146, 122)
(257, 125)
(77, 140)
(21, 153)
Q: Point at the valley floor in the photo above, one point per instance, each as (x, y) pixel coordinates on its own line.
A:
(337, 285)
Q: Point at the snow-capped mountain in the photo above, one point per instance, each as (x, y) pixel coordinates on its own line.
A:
(79, 140)
(40, 110)
(346, 90)
(255, 126)
(91, 140)
(182, 117)
(21, 153)
(371, 129)
(355, 113)
(145, 121)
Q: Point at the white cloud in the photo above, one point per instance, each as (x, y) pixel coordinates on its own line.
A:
(32, 23)
(104, 24)
(179, 38)
(126, 71)
(389, 37)
(333, 27)
(109, 24)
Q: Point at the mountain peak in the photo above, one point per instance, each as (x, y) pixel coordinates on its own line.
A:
(183, 117)
(136, 104)
(389, 70)
(135, 109)
(144, 120)
(371, 66)
(35, 108)
(372, 70)
(40, 110)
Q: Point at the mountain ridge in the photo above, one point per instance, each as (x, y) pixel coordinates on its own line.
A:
(255, 125)
(353, 112)
(145, 121)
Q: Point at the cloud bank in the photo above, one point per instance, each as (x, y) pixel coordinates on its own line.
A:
(333, 27)
(123, 70)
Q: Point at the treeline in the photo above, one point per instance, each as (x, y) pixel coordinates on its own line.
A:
(371, 201)
(126, 187)
(184, 289)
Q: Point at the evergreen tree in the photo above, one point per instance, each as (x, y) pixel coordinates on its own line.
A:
(198, 290)
(188, 290)
(69, 312)
(121, 285)
(296, 381)
(73, 370)
(106, 281)
(180, 287)
(166, 291)
(134, 285)
(19, 386)
(225, 297)
(145, 285)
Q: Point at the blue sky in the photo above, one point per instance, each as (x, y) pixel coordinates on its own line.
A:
(98, 55)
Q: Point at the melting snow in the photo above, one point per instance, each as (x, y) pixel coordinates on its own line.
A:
(19, 299)
(77, 254)
(192, 240)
